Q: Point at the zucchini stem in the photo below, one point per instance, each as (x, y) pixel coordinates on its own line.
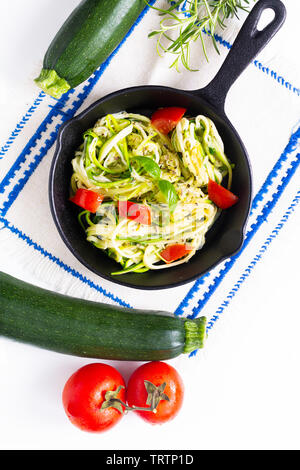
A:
(52, 84)
(195, 334)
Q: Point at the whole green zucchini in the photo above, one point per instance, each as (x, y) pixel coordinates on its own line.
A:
(89, 329)
(87, 38)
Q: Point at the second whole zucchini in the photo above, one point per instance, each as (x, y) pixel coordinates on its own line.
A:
(87, 38)
(89, 329)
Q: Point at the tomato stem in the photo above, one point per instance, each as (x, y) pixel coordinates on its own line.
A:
(155, 395)
(133, 407)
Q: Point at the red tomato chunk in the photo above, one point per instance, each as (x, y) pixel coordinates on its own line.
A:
(166, 119)
(175, 252)
(222, 197)
(88, 200)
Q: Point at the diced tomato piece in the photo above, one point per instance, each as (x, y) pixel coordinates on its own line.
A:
(175, 252)
(134, 211)
(166, 119)
(87, 199)
(220, 195)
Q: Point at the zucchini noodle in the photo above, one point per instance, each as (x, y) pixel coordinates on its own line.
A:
(124, 158)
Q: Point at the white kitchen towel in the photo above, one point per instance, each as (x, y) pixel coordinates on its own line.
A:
(263, 105)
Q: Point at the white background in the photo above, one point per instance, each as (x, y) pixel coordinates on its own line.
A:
(242, 392)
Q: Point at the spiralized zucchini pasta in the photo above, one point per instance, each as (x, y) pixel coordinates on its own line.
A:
(145, 192)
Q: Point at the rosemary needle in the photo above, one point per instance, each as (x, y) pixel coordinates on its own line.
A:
(187, 21)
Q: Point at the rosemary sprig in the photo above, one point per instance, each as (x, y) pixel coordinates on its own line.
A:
(186, 21)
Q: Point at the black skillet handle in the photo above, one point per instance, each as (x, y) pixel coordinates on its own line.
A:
(249, 42)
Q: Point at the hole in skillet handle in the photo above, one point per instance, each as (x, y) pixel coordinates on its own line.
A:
(270, 16)
(266, 18)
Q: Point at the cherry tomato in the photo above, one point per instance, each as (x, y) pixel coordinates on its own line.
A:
(175, 252)
(134, 211)
(87, 199)
(84, 394)
(221, 196)
(166, 119)
(157, 373)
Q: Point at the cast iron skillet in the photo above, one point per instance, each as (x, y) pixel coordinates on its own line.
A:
(226, 236)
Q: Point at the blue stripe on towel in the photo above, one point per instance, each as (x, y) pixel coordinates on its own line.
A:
(31, 144)
(19, 127)
(61, 264)
(266, 70)
(254, 262)
(252, 265)
(55, 111)
(271, 73)
(292, 146)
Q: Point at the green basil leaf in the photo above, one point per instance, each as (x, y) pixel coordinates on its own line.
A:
(169, 193)
(149, 165)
